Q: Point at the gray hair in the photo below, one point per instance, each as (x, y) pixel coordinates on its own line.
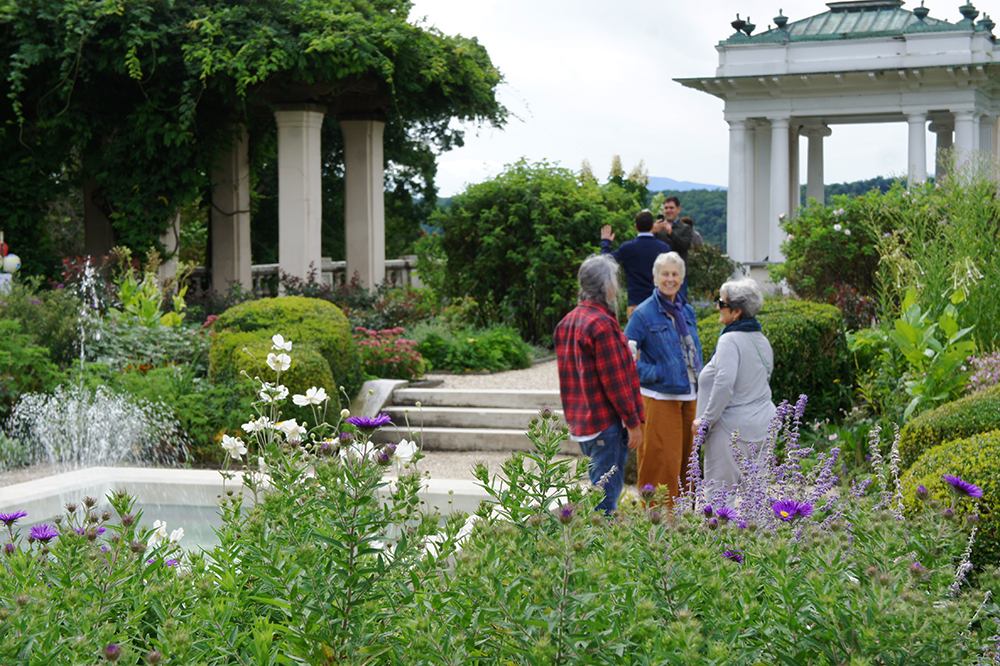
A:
(598, 275)
(743, 295)
(668, 258)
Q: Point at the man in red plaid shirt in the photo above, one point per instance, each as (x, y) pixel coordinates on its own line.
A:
(598, 381)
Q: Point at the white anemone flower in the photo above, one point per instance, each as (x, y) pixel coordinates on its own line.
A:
(159, 533)
(262, 465)
(177, 535)
(344, 413)
(314, 396)
(273, 393)
(357, 451)
(263, 423)
(234, 446)
(847, 232)
(292, 430)
(280, 343)
(279, 362)
(837, 227)
(405, 451)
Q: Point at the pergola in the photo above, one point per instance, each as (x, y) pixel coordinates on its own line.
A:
(865, 61)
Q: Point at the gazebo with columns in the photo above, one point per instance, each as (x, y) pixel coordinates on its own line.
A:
(864, 61)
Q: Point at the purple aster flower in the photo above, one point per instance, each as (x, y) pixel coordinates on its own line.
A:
(566, 513)
(655, 518)
(9, 549)
(708, 511)
(8, 519)
(647, 491)
(948, 513)
(369, 423)
(790, 510)
(917, 570)
(713, 523)
(346, 437)
(726, 513)
(734, 555)
(960, 487)
(173, 563)
(43, 533)
(922, 493)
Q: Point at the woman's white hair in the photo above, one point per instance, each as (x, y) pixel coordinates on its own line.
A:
(669, 258)
(598, 278)
(743, 295)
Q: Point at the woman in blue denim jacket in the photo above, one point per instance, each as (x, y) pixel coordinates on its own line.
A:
(665, 333)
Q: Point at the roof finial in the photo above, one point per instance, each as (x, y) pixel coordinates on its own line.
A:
(738, 24)
(780, 20)
(748, 27)
(921, 12)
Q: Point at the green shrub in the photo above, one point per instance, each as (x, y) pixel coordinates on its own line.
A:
(971, 415)
(708, 266)
(495, 349)
(49, 317)
(25, 367)
(327, 354)
(975, 459)
(130, 343)
(810, 354)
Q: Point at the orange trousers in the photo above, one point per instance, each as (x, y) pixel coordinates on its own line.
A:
(666, 443)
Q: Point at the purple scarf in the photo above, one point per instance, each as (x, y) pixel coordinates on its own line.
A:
(676, 310)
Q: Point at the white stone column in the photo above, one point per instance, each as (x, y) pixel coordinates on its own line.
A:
(794, 166)
(780, 185)
(300, 189)
(965, 136)
(171, 241)
(917, 149)
(762, 192)
(986, 134)
(943, 132)
(815, 185)
(230, 218)
(736, 195)
(364, 200)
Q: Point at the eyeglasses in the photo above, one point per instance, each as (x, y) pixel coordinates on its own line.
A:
(721, 304)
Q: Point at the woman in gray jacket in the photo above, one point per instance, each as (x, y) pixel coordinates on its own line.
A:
(733, 390)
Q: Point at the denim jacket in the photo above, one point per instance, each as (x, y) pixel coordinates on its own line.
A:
(661, 356)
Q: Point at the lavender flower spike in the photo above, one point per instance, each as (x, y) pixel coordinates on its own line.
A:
(961, 487)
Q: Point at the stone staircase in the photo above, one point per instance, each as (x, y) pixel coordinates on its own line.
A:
(465, 420)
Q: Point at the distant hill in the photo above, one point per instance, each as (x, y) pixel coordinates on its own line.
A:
(658, 184)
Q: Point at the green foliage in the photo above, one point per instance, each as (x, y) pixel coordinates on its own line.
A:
(971, 415)
(706, 207)
(810, 354)
(319, 330)
(25, 367)
(137, 101)
(708, 266)
(496, 348)
(49, 317)
(937, 370)
(856, 188)
(975, 459)
(514, 243)
(129, 343)
(835, 244)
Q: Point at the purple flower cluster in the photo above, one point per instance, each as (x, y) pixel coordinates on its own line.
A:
(734, 555)
(985, 372)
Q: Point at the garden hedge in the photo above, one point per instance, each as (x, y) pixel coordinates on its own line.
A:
(975, 459)
(325, 352)
(810, 354)
(971, 415)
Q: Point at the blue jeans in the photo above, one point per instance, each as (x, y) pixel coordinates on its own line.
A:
(607, 450)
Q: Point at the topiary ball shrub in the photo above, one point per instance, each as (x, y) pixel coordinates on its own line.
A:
(971, 415)
(326, 354)
(810, 354)
(976, 460)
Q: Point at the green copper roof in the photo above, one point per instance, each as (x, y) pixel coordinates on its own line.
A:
(859, 19)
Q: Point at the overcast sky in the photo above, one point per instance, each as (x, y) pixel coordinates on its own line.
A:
(590, 79)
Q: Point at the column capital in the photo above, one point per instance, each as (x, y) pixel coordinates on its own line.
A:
(941, 126)
(916, 117)
(815, 130)
(315, 108)
(782, 122)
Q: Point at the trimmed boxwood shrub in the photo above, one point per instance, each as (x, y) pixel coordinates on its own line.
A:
(975, 459)
(810, 354)
(971, 415)
(325, 353)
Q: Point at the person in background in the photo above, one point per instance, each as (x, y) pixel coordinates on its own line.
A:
(598, 383)
(696, 238)
(665, 333)
(733, 389)
(636, 257)
(675, 233)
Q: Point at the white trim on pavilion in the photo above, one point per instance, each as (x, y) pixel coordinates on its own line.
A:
(798, 80)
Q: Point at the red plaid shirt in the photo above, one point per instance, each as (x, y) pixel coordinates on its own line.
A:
(598, 381)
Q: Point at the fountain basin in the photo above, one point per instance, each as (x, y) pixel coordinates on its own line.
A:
(185, 498)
